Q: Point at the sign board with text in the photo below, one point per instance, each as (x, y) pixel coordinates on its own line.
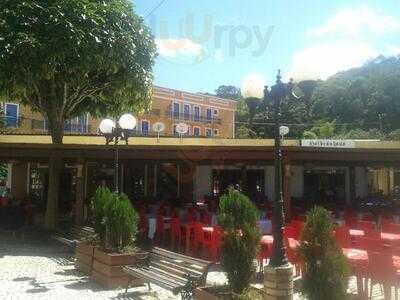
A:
(328, 143)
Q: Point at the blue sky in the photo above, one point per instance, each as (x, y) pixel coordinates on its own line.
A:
(207, 43)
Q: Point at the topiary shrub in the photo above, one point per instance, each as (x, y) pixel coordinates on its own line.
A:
(115, 219)
(325, 267)
(238, 217)
(121, 222)
(100, 198)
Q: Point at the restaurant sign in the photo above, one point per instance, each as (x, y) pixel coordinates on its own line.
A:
(328, 143)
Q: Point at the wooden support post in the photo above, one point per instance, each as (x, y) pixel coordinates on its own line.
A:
(80, 193)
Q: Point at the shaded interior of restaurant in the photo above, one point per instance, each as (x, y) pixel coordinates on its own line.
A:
(176, 182)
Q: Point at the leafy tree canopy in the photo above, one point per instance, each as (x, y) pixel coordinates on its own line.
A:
(228, 92)
(64, 58)
(361, 103)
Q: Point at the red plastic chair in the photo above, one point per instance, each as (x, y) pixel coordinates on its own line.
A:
(190, 216)
(368, 217)
(366, 226)
(369, 244)
(342, 236)
(298, 225)
(212, 242)
(386, 220)
(293, 257)
(391, 228)
(159, 228)
(206, 218)
(382, 271)
(290, 232)
(143, 224)
(350, 222)
(197, 237)
(176, 233)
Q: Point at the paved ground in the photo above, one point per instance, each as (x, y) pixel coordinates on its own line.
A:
(44, 270)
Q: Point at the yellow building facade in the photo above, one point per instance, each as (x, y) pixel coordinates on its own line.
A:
(205, 115)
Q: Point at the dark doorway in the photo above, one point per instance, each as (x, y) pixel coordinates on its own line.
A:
(254, 181)
(325, 187)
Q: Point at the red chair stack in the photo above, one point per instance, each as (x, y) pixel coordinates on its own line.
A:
(212, 242)
(343, 236)
(366, 226)
(159, 228)
(176, 233)
(391, 228)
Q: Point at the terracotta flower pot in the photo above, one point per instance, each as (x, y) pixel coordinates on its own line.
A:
(107, 269)
(84, 257)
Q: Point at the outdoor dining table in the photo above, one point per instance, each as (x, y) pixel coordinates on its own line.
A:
(384, 235)
(358, 258)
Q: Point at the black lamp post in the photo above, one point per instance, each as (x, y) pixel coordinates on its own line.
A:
(277, 94)
(116, 131)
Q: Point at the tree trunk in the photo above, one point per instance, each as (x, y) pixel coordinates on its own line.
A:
(56, 166)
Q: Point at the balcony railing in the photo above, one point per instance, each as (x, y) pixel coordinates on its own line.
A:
(191, 117)
(29, 125)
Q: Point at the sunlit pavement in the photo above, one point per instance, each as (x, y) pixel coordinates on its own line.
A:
(45, 270)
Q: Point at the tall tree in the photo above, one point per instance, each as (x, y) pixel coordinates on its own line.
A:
(228, 92)
(64, 58)
(368, 97)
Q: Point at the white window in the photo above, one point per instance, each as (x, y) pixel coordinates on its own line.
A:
(209, 114)
(186, 111)
(145, 127)
(196, 131)
(176, 110)
(11, 111)
(208, 132)
(196, 113)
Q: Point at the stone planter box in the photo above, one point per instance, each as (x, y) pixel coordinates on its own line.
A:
(84, 257)
(107, 269)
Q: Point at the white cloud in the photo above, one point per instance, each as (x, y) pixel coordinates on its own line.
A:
(393, 51)
(172, 48)
(323, 60)
(355, 21)
(253, 86)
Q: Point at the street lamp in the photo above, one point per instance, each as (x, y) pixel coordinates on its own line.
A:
(277, 93)
(115, 131)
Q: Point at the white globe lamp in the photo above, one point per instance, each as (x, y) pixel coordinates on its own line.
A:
(106, 126)
(127, 122)
(253, 87)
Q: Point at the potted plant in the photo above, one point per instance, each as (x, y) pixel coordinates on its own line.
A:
(116, 225)
(84, 250)
(325, 267)
(238, 218)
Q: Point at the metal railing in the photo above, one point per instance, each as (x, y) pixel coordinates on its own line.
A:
(22, 124)
(191, 117)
